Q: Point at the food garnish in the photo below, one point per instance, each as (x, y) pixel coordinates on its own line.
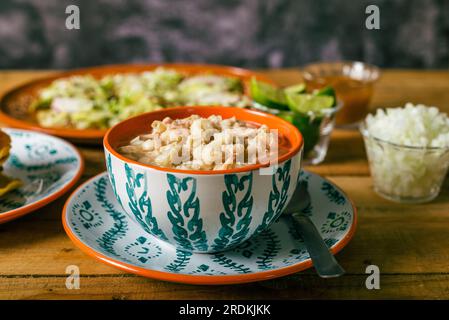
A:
(408, 149)
(303, 109)
(7, 184)
(83, 102)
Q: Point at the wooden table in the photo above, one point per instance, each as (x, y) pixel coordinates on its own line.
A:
(409, 243)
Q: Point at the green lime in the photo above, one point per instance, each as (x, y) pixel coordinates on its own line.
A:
(268, 95)
(309, 128)
(305, 103)
(297, 88)
(301, 105)
(327, 91)
(286, 115)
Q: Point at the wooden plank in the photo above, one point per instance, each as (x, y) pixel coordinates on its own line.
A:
(304, 286)
(11, 79)
(346, 156)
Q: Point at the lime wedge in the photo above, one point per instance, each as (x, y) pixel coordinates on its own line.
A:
(327, 91)
(297, 88)
(287, 116)
(305, 103)
(268, 95)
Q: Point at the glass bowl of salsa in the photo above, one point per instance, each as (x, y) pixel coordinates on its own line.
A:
(353, 82)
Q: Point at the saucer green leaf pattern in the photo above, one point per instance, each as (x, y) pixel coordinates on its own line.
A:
(332, 193)
(236, 215)
(180, 262)
(43, 163)
(264, 261)
(120, 225)
(184, 215)
(227, 263)
(277, 247)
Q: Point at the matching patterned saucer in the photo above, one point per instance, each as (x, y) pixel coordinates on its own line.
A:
(97, 224)
(47, 166)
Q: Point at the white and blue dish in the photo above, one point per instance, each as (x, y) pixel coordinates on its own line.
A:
(203, 211)
(98, 225)
(47, 167)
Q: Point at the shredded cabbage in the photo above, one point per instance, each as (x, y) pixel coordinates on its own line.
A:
(84, 102)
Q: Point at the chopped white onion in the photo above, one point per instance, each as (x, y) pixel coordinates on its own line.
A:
(410, 156)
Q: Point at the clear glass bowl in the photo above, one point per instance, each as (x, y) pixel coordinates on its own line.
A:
(316, 130)
(353, 82)
(404, 173)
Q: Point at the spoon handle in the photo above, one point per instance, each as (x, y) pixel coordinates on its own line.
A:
(324, 262)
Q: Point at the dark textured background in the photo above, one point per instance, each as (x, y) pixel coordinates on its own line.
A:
(251, 33)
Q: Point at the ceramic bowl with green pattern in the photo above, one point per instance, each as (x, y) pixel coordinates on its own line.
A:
(203, 211)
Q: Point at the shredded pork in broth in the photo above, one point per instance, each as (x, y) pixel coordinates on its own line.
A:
(212, 143)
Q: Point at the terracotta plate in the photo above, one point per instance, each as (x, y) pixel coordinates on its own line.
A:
(14, 105)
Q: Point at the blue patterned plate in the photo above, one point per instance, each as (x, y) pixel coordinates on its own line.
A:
(47, 166)
(97, 224)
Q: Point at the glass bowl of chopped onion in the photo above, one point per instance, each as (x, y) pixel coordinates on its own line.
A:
(408, 152)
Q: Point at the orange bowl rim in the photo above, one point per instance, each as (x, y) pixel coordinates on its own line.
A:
(290, 154)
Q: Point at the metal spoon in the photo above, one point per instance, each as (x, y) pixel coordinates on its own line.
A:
(324, 262)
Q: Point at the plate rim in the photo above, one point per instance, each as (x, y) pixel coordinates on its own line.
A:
(21, 211)
(95, 136)
(200, 279)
